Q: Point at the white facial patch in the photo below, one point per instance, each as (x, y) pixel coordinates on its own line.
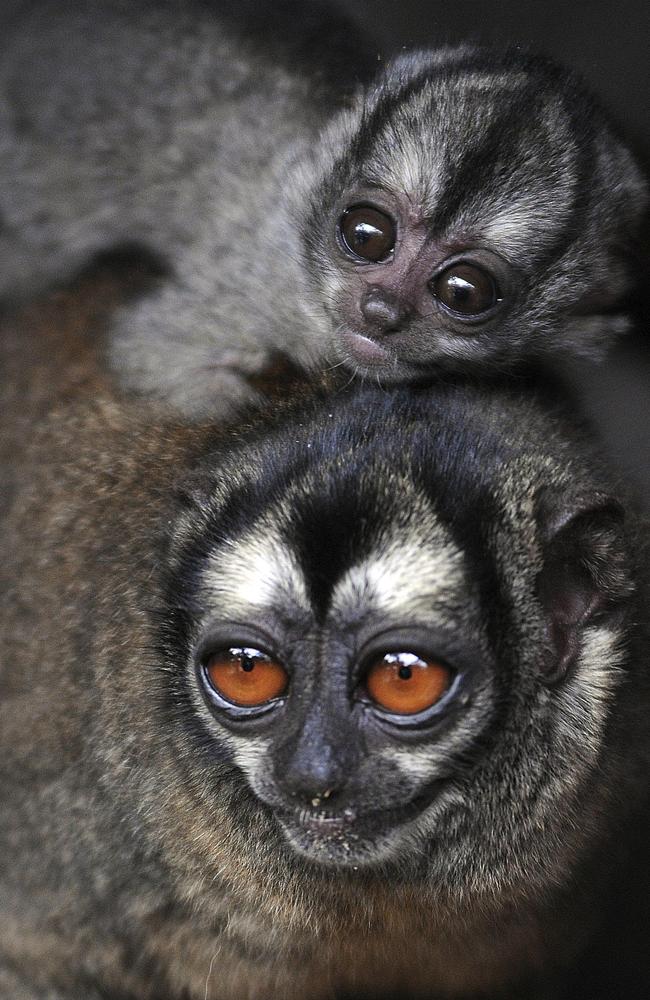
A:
(251, 755)
(413, 762)
(254, 573)
(416, 571)
(406, 165)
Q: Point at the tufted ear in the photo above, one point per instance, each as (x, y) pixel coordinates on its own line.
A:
(585, 576)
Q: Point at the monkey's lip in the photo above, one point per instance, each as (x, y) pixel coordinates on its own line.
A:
(320, 822)
(365, 350)
(327, 838)
(345, 836)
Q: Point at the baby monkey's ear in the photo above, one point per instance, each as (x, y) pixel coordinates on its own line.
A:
(585, 578)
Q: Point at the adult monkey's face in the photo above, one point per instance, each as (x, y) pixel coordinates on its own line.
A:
(393, 663)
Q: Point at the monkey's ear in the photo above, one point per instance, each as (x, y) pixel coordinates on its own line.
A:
(584, 579)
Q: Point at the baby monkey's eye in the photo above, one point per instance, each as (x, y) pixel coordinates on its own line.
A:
(406, 684)
(367, 233)
(245, 677)
(465, 289)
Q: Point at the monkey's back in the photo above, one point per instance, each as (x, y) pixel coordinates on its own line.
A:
(148, 123)
(69, 446)
(170, 128)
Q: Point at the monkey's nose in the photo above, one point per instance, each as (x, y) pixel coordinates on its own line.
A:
(383, 309)
(313, 778)
(313, 766)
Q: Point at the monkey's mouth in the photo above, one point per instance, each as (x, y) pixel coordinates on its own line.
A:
(368, 357)
(364, 350)
(347, 838)
(330, 840)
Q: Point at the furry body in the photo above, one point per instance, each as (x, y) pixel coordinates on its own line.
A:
(232, 154)
(151, 848)
(157, 125)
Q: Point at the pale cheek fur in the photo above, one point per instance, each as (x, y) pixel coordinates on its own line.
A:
(250, 754)
(584, 703)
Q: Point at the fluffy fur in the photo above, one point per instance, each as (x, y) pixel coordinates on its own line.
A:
(154, 845)
(229, 145)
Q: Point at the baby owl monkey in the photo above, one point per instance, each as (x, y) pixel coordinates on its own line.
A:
(351, 702)
(464, 210)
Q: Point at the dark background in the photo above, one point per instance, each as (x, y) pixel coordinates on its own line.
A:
(609, 43)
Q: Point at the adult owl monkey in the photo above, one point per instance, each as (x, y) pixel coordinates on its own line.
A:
(465, 211)
(349, 701)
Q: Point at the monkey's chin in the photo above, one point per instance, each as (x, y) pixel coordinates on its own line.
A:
(346, 841)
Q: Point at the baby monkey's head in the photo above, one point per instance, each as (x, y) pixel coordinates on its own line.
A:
(393, 635)
(472, 212)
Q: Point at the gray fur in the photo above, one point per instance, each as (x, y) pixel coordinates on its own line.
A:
(156, 124)
(178, 127)
(503, 160)
(150, 847)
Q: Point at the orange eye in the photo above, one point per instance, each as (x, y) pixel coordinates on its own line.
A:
(246, 677)
(406, 684)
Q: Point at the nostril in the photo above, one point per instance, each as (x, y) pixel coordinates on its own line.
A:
(319, 800)
(317, 781)
(383, 308)
(315, 788)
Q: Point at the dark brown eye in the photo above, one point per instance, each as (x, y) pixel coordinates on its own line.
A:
(367, 233)
(406, 684)
(246, 677)
(465, 289)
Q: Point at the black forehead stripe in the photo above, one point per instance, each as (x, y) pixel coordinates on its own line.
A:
(375, 119)
(584, 162)
(507, 136)
(449, 460)
(376, 116)
(335, 528)
(438, 441)
(392, 98)
(329, 527)
(497, 145)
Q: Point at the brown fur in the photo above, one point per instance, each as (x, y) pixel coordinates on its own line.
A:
(121, 877)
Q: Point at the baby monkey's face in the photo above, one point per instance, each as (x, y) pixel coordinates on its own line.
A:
(471, 213)
(409, 299)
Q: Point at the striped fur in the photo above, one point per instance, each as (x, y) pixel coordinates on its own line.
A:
(155, 843)
(230, 161)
